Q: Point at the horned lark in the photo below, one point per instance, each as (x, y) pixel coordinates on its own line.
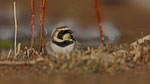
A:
(62, 41)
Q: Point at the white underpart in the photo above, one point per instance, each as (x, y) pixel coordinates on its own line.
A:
(62, 50)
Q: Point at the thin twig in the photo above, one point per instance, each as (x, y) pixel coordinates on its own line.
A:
(40, 59)
(42, 24)
(32, 24)
(99, 24)
(16, 27)
(16, 62)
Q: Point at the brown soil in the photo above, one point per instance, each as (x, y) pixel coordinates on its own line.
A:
(25, 75)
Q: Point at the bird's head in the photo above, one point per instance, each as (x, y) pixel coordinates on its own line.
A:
(62, 33)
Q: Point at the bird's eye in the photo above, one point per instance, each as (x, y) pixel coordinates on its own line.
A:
(61, 31)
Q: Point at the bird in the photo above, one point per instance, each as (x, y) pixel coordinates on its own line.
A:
(62, 41)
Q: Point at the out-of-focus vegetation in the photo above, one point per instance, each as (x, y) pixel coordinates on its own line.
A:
(5, 44)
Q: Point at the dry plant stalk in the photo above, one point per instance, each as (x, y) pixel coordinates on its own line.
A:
(42, 24)
(8, 56)
(32, 24)
(141, 40)
(16, 29)
(99, 24)
(18, 49)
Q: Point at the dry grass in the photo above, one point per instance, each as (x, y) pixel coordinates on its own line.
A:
(108, 59)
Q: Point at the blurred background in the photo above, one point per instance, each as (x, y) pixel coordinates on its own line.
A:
(122, 20)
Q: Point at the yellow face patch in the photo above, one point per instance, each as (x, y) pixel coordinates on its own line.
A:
(67, 36)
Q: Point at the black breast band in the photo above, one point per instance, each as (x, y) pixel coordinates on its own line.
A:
(63, 44)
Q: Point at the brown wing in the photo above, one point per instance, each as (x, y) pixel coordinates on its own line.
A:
(77, 45)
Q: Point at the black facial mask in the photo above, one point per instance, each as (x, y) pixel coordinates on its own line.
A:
(62, 33)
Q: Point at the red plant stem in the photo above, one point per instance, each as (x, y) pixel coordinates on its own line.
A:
(32, 24)
(99, 23)
(42, 24)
